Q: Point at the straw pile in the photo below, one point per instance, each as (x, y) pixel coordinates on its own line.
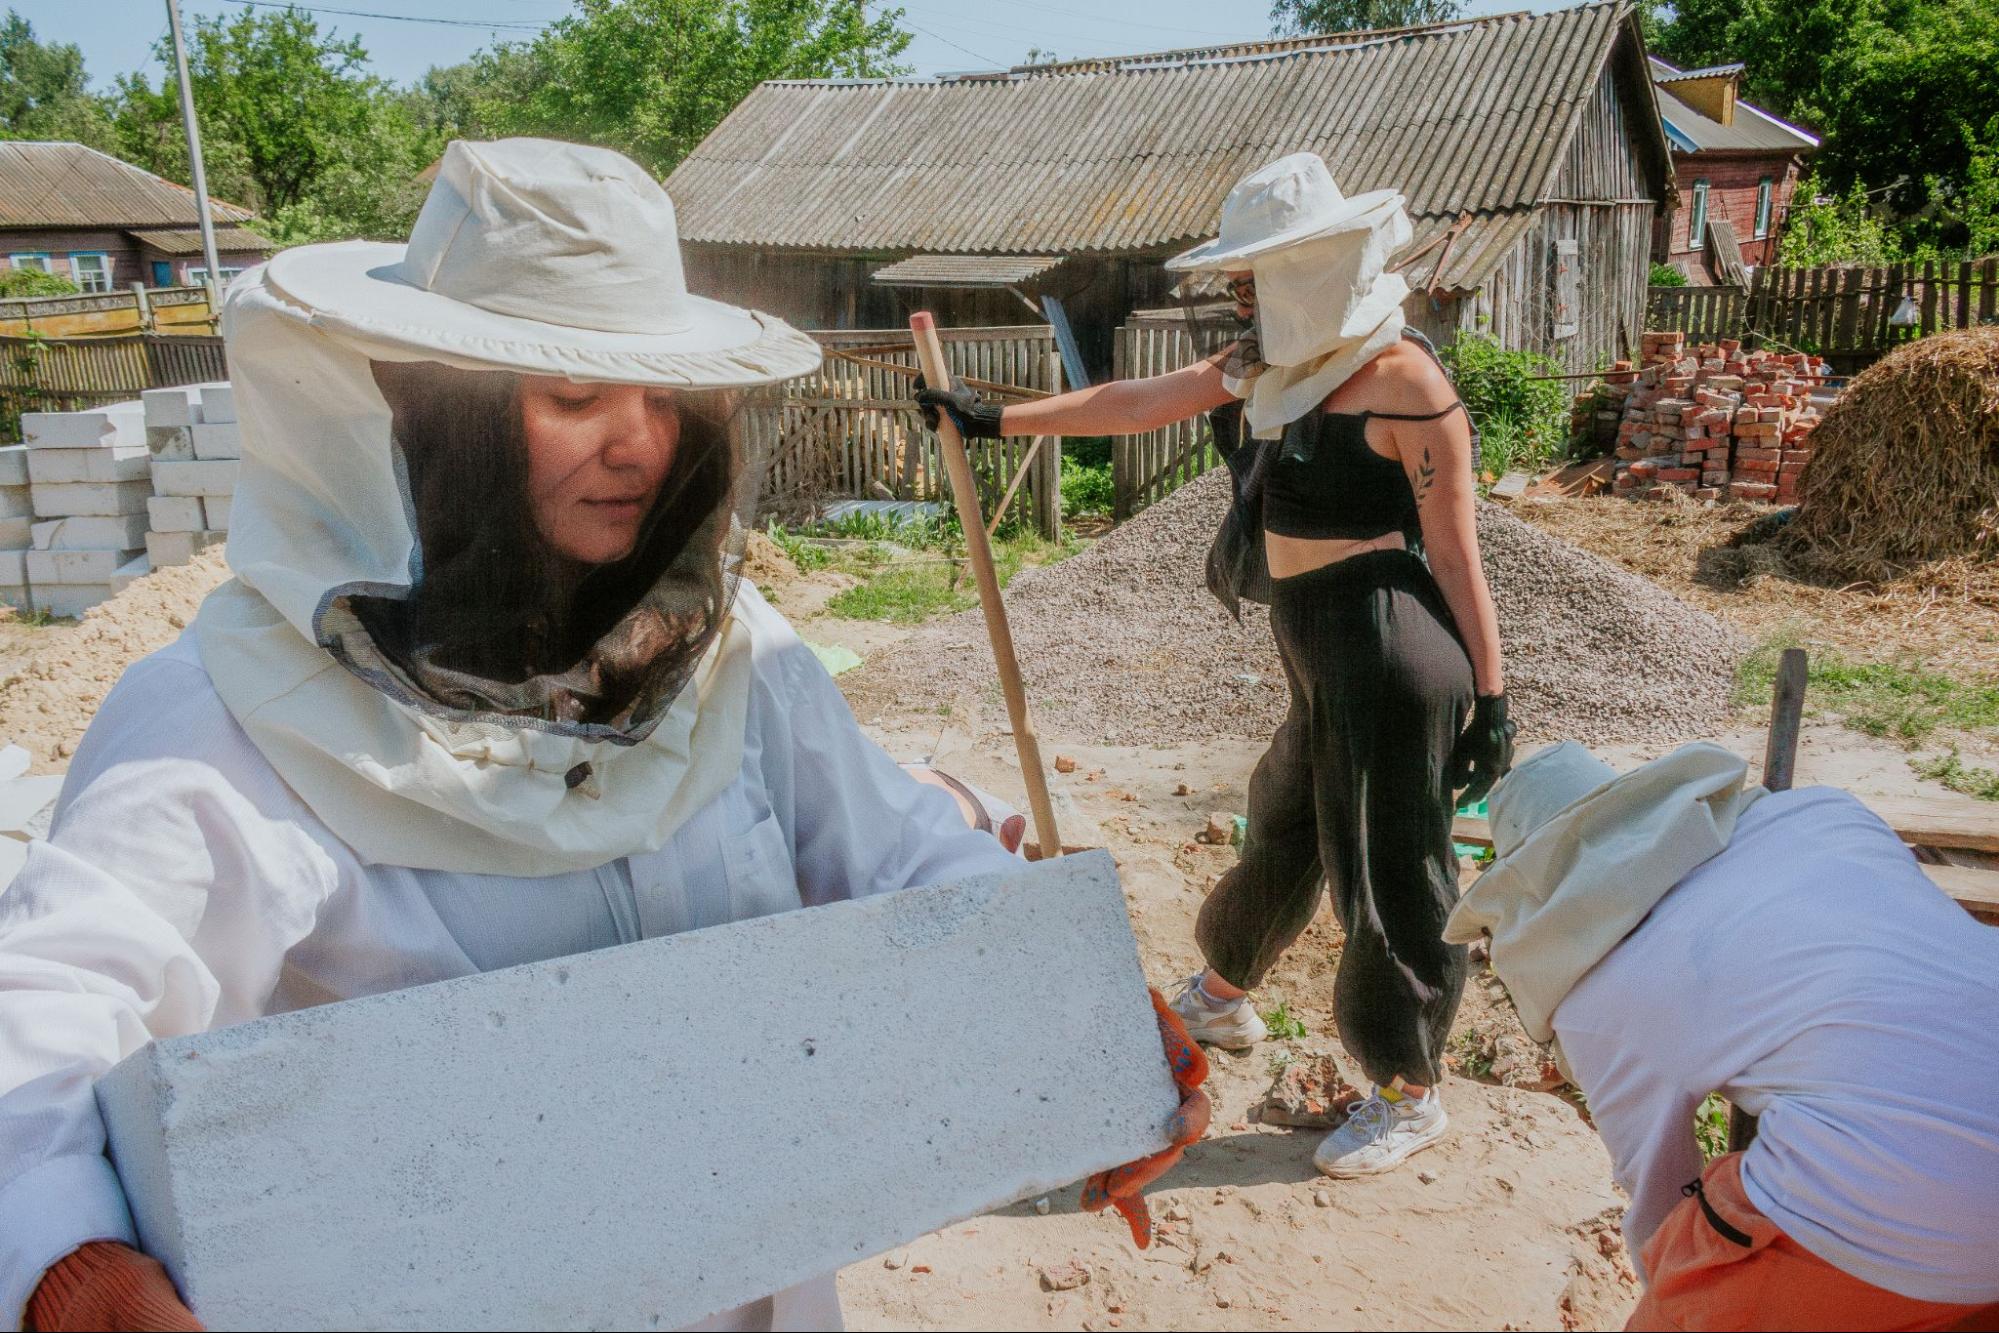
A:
(1907, 466)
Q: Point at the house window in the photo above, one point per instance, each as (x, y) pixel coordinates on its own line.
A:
(1764, 189)
(39, 262)
(1697, 221)
(91, 271)
(198, 274)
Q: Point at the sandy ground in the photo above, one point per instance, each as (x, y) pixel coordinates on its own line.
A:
(1511, 1223)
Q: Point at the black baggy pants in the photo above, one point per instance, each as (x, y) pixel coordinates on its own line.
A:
(1355, 792)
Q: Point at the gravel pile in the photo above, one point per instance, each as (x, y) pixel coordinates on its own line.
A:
(1123, 645)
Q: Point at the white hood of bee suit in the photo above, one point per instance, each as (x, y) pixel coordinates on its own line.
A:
(1583, 855)
(1325, 303)
(321, 509)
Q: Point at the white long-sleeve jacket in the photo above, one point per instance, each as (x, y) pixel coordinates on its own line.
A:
(185, 887)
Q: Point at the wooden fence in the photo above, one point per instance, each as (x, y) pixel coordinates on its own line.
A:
(1699, 312)
(850, 429)
(1147, 468)
(1836, 310)
(65, 375)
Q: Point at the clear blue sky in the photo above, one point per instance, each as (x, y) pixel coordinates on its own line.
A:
(117, 35)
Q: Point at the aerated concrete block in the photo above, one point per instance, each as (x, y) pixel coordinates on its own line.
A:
(218, 440)
(74, 566)
(13, 568)
(122, 462)
(129, 573)
(16, 501)
(120, 423)
(17, 533)
(217, 477)
(215, 509)
(67, 599)
(169, 407)
(177, 548)
(646, 1135)
(175, 513)
(17, 596)
(115, 532)
(93, 497)
(14, 465)
(218, 402)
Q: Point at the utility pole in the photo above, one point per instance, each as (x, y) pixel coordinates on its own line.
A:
(194, 163)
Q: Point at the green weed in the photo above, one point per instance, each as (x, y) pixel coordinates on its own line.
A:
(1954, 773)
(1086, 488)
(1474, 1057)
(1283, 1024)
(907, 591)
(796, 549)
(1711, 1127)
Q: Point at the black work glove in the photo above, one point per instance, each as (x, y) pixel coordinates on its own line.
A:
(974, 419)
(1485, 751)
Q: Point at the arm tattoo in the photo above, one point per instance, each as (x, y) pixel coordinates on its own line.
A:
(1426, 476)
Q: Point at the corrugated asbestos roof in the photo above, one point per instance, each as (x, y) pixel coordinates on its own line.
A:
(1694, 132)
(69, 185)
(966, 270)
(1470, 117)
(229, 240)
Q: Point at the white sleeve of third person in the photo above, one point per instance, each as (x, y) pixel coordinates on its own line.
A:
(1646, 1118)
(163, 904)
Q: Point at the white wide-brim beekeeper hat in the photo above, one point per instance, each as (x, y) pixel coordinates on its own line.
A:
(1289, 202)
(541, 257)
(530, 257)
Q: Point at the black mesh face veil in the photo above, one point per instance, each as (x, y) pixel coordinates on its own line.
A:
(498, 628)
(1216, 323)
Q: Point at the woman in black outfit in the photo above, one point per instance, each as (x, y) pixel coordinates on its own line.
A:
(1354, 468)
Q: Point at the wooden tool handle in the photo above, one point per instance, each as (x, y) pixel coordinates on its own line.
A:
(965, 493)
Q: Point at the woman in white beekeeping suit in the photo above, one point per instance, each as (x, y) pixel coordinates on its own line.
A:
(480, 693)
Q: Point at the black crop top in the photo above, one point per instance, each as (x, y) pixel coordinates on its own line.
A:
(1326, 482)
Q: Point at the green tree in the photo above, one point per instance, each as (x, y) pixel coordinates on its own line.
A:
(1693, 33)
(651, 78)
(1300, 17)
(1840, 231)
(44, 93)
(293, 126)
(34, 282)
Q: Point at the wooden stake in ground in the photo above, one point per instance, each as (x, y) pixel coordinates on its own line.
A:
(965, 492)
(1780, 763)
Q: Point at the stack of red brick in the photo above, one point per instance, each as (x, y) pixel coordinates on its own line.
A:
(1713, 421)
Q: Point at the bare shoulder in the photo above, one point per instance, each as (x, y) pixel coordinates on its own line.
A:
(1403, 378)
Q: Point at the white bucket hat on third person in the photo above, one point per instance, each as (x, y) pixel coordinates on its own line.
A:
(530, 257)
(1325, 303)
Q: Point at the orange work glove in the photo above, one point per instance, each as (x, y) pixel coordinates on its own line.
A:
(1119, 1187)
(105, 1285)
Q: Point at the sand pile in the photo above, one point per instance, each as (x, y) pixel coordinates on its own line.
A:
(1907, 463)
(764, 561)
(1123, 645)
(46, 705)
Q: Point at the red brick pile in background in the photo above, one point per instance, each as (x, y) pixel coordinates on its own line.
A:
(1712, 421)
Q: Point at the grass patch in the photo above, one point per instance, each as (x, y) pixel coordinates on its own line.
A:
(1901, 701)
(1474, 1055)
(1951, 770)
(1283, 1024)
(906, 590)
(796, 549)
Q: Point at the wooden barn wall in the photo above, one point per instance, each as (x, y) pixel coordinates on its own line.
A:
(1603, 165)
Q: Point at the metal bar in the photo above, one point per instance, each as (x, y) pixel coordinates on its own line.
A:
(194, 160)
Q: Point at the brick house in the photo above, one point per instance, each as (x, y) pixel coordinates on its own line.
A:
(105, 224)
(1736, 166)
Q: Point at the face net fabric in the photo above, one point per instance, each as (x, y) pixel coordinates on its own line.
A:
(496, 627)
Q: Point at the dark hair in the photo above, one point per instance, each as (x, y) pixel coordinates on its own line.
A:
(491, 599)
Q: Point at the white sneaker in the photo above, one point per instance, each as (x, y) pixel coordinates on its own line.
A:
(1379, 1134)
(1231, 1025)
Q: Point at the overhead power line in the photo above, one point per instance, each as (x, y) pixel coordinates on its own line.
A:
(494, 25)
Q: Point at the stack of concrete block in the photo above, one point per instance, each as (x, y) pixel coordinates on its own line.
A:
(195, 444)
(88, 483)
(17, 516)
(1713, 421)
